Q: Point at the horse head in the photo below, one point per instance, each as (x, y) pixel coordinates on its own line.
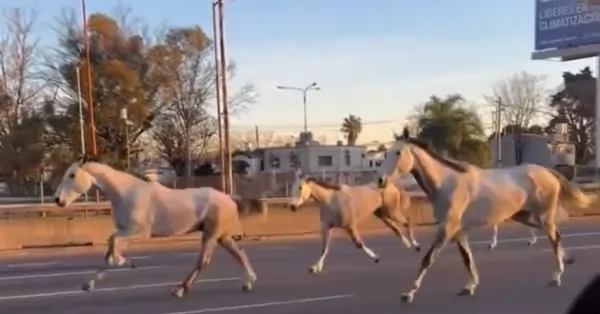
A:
(300, 191)
(75, 181)
(398, 161)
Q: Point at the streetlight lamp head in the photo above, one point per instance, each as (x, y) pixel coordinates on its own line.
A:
(280, 87)
(313, 84)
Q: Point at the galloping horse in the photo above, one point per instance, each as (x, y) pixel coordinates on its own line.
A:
(345, 207)
(470, 197)
(142, 209)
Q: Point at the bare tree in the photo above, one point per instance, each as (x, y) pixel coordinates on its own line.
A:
(21, 126)
(186, 127)
(18, 57)
(521, 96)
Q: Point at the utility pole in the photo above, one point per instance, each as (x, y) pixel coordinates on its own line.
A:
(218, 95)
(90, 101)
(498, 119)
(223, 62)
(256, 136)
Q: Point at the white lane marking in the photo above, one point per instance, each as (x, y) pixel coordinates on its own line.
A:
(110, 289)
(75, 273)
(574, 248)
(141, 257)
(187, 254)
(571, 235)
(266, 304)
(25, 265)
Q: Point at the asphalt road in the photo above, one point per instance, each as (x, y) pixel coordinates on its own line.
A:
(514, 279)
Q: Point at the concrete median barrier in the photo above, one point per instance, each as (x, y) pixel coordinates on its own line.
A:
(94, 230)
(80, 230)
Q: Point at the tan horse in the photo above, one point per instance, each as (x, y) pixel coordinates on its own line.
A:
(143, 209)
(345, 207)
(467, 197)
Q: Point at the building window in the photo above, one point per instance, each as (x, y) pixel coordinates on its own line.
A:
(274, 161)
(325, 161)
(347, 157)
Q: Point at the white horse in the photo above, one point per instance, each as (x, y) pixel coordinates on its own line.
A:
(470, 197)
(345, 207)
(142, 209)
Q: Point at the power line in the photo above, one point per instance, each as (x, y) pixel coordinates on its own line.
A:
(314, 126)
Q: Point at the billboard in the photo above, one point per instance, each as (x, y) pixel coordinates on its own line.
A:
(566, 24)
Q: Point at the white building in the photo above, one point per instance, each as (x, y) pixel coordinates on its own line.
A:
(308, 155)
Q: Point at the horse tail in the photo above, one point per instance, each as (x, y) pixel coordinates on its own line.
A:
(250, 206)
(571, 192)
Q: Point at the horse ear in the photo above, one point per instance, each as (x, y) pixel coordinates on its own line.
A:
(405, 133)
(298, 173)
(83, 158)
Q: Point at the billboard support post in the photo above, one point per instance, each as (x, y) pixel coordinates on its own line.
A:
(570, 30)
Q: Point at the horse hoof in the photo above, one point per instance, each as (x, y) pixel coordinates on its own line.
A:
(247, 288)
(132, 266)
(418, 248)
(87, 287)
(554, 283)
(376, 260)
(314, 270)
(466, 292)
(491, 246)
(407, 298)
(569, 261)
(178, 292)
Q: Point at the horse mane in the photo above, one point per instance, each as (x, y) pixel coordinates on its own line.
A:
(324, 184)
(448, 162)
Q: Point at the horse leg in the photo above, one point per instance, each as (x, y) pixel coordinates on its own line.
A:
(112, 257)
(494, 237)
(209, 242)
(325, 242)
(410, 227)
(467, 257)
(359, 243)
(533, 237)
(427, 261)
(555, 240)
(397, 231)
(231, 247)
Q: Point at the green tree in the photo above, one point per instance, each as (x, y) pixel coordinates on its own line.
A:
(574, 105)
(351, 128)
(446, 123)
(128, 71)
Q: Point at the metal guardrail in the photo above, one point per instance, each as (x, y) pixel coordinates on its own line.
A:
(42, 209)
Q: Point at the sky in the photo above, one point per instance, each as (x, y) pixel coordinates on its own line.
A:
(375, 59)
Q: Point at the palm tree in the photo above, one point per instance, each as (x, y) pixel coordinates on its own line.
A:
(351, 127)
(446, 123)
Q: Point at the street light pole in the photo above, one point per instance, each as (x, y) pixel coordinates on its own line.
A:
(304, 91)
(125, 119)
